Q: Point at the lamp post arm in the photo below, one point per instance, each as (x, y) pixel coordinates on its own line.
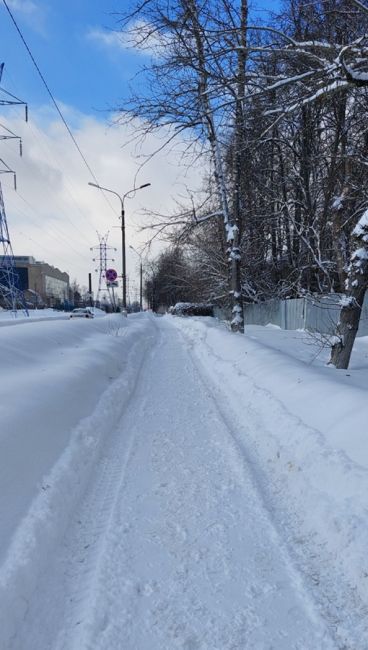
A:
(127, 194)
(105, 189)
(135, 251)
(122, 199)
(134, 190)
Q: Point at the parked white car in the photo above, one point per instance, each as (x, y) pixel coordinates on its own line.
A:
(82, 312)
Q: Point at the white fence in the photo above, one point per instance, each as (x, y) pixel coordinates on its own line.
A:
(314, 314)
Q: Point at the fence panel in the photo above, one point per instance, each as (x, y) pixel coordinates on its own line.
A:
(320, 314)
(263, 313)
(221, 313)
(294, 311)
(363, 325)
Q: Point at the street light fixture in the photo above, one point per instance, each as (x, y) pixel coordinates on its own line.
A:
(140, 277)
(123, 256)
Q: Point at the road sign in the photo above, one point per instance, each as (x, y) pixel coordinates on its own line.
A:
(111, 275)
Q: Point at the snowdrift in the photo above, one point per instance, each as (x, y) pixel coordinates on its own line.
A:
(67, 386)
(305, 424)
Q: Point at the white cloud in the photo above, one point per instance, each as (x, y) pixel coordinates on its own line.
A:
(141, 38)
(108, 38)
(54, 215)
(24, 6)
(34, 14)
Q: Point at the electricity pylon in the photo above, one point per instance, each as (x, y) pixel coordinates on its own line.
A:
(11, 296)
(102, 259)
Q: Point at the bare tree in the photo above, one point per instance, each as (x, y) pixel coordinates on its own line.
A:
(323, 63)
(279, 113)
(191, 90)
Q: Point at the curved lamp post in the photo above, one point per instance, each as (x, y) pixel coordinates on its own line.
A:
(123, 256)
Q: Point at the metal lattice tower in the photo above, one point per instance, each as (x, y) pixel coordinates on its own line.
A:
(102, 260)
(11, 295)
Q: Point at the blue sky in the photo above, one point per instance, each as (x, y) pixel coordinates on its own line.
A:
(70, 42)
(80, 68)
(54, 214)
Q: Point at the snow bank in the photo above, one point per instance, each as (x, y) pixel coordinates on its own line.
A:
(306, 426)
(55, 424)
(11, 318)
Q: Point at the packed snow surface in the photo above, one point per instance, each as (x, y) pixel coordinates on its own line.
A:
(168, 484)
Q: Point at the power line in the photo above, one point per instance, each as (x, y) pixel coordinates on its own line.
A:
(48, 90)
(57, 233)
(53, 99)
(53, 159)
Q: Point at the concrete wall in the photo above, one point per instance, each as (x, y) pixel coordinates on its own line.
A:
(47, 281)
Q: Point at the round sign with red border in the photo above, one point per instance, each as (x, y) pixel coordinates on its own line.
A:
(111, 275)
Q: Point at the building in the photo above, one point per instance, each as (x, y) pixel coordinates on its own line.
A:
(42, 284)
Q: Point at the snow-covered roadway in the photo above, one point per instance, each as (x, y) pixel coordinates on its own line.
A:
(171, 545)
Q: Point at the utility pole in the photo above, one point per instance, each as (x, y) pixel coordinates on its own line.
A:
(122, 225)
(10, 294)
(140, 277)
(141, 286)
(123, 255)
(90, 289)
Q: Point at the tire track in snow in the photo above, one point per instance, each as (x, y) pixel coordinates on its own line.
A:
(57, 607)
(173, 547)
(337, 599)
(194, 561)
(85, 549)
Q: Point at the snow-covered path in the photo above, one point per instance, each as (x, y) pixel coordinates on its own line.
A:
(172, 546)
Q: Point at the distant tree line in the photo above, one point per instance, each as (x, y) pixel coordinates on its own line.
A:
(278, 112)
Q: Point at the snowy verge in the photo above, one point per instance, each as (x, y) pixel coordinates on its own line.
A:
(8, 318)
(61, 487)
(55, 372)
(305, 427)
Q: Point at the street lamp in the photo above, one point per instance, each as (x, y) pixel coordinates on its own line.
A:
(123, 256)
(140, 278)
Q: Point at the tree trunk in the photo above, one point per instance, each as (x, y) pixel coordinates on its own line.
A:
(235, 230)
(231, 226)
(357, 283)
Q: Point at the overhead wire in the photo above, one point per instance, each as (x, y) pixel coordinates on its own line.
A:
(26, 236)
(55, 162)
(54, 101)
(60, 209)
(36, 243)
(56, 234)
(59, 234)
